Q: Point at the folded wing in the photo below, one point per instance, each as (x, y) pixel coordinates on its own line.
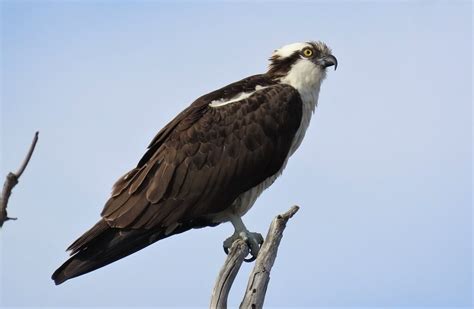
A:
(211, 156)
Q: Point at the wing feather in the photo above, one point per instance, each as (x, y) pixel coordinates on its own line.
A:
(125, 181)
(160, 183)
(125, 215)
(208, 158)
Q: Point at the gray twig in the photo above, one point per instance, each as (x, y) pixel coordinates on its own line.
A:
(260, 276)
(12, 180)
(238, 252)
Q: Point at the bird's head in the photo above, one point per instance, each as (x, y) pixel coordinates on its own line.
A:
(302, 65)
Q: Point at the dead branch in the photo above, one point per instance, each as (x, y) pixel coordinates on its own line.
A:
(260, 276)
(238, 252)
(12, 180)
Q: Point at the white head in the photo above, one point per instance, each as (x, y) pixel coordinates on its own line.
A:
(302, 65)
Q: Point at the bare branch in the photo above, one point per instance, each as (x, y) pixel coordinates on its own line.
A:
(28, 156)
(12, 180)
(260, 276)
(229, 270)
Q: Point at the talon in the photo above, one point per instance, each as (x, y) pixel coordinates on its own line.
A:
(229, 241)
(253, 240)
(251, 259)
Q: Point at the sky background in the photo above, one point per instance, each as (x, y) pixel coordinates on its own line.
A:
(383, 176)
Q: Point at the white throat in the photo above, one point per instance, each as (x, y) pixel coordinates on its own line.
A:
(305, 77)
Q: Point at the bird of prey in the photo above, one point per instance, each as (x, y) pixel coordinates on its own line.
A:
(210, 163)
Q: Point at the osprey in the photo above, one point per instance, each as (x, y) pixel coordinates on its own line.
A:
(210, 163)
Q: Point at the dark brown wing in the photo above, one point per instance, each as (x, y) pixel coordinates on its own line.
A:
(205, 159)
(193, 111)
(195, 166)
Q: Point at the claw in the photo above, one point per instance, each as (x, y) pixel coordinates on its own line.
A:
(228, 243)
(253, 240)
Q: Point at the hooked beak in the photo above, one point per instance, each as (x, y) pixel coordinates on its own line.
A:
(328, 61)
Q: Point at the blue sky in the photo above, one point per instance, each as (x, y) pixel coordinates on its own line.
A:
(383, 176)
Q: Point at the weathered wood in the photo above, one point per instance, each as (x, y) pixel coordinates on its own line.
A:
(260, 276)
(12, 180)
(238, 252)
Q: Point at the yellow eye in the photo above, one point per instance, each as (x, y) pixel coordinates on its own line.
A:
(307, 52)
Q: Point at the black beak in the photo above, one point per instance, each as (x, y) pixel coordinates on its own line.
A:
(328, 61)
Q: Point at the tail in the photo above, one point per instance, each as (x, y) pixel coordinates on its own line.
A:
(102, 245)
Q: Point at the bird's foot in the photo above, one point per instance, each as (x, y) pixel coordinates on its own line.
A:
(253, 240)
